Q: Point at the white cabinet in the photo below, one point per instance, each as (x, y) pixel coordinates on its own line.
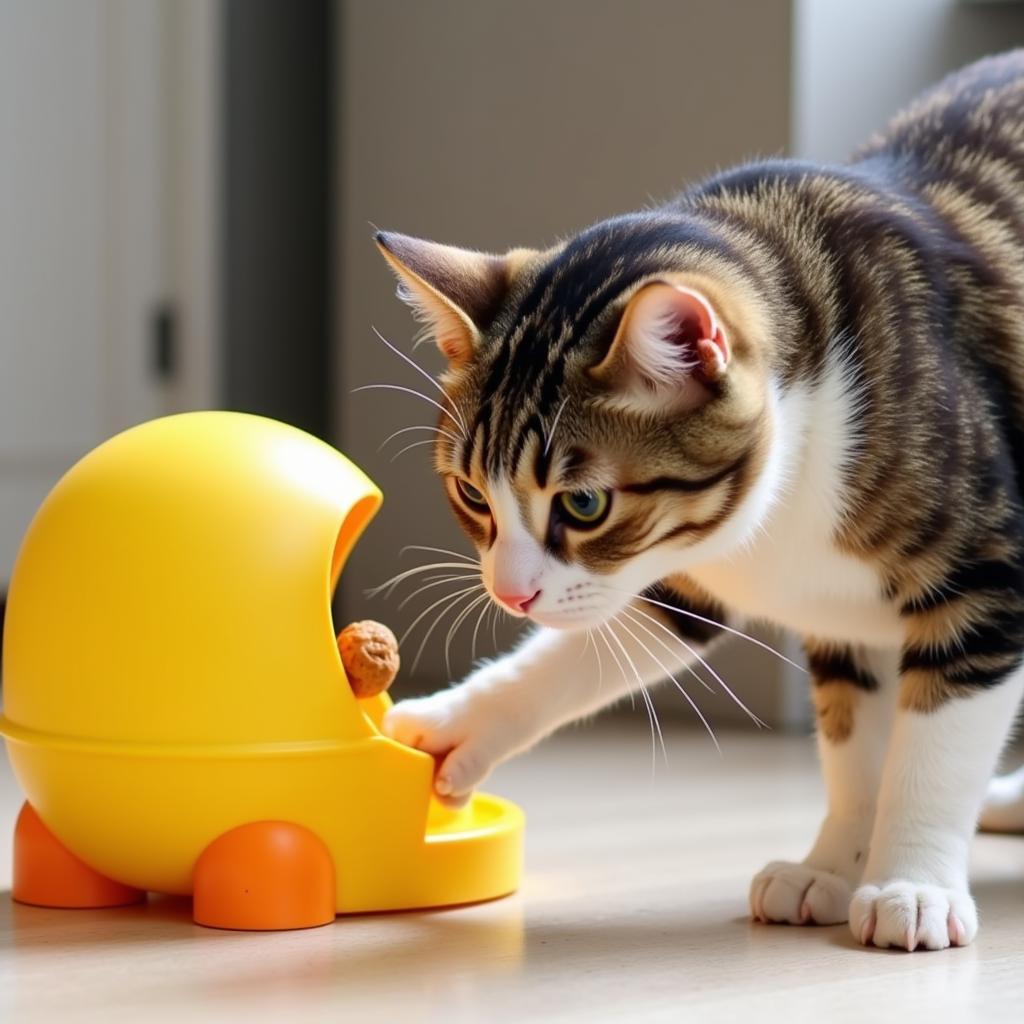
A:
(99, 146)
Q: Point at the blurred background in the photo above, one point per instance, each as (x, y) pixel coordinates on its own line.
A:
(188, 190)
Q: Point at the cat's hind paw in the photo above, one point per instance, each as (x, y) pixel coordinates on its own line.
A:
(1003, 810)
(784, 892)
(910, 915)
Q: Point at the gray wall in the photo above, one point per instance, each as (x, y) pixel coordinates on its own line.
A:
(494, 124)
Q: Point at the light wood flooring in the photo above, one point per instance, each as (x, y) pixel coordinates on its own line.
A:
(633, 909)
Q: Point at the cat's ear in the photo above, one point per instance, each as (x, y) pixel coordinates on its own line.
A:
(453, 292)
(669, 348)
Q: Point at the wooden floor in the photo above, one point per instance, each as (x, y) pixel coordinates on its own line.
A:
(634, 908)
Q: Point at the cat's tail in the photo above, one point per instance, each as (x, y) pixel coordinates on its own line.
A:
(1004, 804)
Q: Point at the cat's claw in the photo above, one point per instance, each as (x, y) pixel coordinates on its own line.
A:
(788, 893)
(908, 915)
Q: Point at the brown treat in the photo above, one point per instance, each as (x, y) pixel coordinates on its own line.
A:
(369, 652)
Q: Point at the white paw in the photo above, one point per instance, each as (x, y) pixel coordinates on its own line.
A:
(1004, 804)
(798, 894)
(445, 726)
(908, 915)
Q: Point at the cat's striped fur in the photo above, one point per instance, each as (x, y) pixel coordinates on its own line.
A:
(896, 279)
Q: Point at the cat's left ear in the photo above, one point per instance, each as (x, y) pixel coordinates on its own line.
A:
(453, 292)
(669, 347)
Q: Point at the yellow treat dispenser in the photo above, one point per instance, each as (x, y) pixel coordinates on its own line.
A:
(176, 709)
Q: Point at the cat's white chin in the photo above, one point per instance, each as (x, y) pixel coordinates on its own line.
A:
(570, 620)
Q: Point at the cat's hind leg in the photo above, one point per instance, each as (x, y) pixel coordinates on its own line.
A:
(854, 697)
(1003, 810)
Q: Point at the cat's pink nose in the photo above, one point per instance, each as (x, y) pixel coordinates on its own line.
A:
(518, 602)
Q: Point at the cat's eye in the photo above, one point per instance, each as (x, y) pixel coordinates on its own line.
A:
(584, 509)
(471, 495)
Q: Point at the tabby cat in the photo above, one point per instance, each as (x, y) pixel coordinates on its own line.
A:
(794, 393)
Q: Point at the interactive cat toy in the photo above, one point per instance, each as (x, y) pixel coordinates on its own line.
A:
(177, 711)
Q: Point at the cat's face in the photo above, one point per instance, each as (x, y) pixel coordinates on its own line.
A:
(608, 417)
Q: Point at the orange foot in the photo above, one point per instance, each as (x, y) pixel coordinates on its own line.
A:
(265, 876)
(47, 874)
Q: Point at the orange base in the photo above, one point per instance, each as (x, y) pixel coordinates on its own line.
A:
(264, 876)
(47, 874)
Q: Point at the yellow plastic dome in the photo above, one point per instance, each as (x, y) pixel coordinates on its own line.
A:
(171, 676)
(175, 588)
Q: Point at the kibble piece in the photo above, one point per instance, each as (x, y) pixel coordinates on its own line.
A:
(369, 652)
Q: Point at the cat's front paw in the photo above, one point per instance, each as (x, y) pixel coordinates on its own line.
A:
(458, 736)
(909, 915)
(787, 893)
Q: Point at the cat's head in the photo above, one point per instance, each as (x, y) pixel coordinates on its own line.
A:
(610, 413)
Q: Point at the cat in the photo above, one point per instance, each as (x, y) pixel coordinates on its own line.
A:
(793, 393)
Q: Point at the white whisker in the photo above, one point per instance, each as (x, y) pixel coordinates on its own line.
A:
(409, 447)
(714, 675)
(584, 648)
(437, 581)
(393, 582)
(426, 611)
(600, 662)
(476, 631)
(712, 622)
(494, 627)
(459, 599)
(454, 627)
(419, 369)
(551, 433)
(652, 715)
(679, 686)
(418, 394)
(418, 426)
(628, 610)
(618, 664)
(439, 551)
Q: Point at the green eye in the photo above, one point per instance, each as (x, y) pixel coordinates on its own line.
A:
(585, 508)
(471, 495)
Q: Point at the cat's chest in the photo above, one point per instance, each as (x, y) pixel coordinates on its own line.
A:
(793, 575)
